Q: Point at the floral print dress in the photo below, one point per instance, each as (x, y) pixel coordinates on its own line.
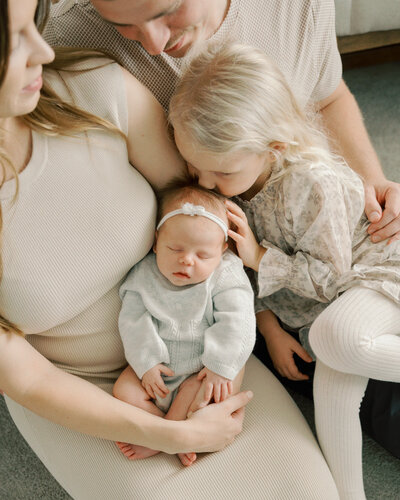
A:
(312, 223)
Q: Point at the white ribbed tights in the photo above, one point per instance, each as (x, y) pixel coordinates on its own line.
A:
(354, 339)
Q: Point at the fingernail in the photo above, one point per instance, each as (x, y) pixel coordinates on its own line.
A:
(375, 238)
(374, 216)
(189, 414)
(249, 394)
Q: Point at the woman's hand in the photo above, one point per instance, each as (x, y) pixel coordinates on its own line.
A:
(215, 385)
(247, 246)
(153, 382)
(215, 426)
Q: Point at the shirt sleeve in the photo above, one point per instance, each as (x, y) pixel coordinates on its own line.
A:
(325, 51)
(229, 341)
(143, 347)
(320, 230)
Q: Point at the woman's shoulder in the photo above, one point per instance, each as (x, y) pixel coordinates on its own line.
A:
(94, 84)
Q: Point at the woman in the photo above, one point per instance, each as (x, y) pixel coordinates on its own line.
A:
(75, 218)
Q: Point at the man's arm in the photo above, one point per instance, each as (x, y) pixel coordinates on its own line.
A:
(343, 120)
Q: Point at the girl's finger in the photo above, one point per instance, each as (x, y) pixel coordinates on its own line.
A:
(167, 371)
(302, 353)
(208, 391)
(235, 236)
(234, 208)
(150, 391)
(224, 392)
(217, 393)
(238, 221)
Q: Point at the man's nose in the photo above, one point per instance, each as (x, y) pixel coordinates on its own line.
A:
(154, 36)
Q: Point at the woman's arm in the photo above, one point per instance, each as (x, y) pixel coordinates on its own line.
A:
(32, 381)
(151, 147)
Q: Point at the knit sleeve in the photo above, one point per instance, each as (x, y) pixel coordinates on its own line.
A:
(229, 341)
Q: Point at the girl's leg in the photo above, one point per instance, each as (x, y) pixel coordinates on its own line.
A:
(128, 388)
(337, 399)
(359, 333)
(355, 338)
(179, 410)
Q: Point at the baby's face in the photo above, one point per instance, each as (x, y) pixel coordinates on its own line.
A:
(188, 249)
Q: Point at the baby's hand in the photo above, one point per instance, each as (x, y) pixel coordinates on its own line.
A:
(247, 246)
(281, 349)
(215, 385)
(153, 382)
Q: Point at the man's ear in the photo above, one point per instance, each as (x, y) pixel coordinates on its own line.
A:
(155, 242)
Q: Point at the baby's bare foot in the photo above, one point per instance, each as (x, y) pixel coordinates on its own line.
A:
(187, 458)
(136, 452)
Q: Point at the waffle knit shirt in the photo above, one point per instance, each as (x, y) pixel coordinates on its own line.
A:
(298, 35)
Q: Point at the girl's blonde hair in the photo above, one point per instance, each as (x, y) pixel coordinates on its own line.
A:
(233, 98)
(52, 116)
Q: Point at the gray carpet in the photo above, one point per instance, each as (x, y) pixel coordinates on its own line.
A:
(377, 89)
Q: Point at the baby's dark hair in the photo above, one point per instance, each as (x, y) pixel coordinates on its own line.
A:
(182, 190)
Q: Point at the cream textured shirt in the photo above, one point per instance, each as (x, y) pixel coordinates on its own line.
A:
(83, 217)
(299, 35)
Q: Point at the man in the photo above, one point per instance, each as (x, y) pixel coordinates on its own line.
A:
(151, 37)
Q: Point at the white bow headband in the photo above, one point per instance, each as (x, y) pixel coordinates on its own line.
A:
(190, 209)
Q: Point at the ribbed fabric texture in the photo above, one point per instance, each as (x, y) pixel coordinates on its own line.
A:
(276, 457)
(355, 338)
(82, 219)
(299, 35)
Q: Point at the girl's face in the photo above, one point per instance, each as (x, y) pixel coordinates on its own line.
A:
(230, 174)
(188, 249)
(20, 91)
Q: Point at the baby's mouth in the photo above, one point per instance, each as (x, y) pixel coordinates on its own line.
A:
(181, 275)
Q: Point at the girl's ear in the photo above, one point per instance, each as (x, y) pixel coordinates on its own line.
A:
(155, 242)
(279, 147)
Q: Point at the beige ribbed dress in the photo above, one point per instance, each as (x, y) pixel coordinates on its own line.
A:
(83, 217)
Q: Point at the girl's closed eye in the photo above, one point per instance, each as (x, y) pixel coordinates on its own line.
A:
(223, 174)
(174, 249)
(203, 256)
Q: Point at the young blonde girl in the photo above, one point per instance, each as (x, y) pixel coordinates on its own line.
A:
(300, 226)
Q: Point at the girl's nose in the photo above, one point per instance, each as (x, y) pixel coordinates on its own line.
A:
(206, 180)
(186, 260)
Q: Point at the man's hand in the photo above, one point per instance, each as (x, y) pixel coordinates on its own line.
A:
(214, 385)
(384, 224)
(153, 382)
(247, 246)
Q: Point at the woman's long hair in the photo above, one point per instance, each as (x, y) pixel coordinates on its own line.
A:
(52, 116)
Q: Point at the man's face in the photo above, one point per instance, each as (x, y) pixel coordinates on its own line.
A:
(170, 26)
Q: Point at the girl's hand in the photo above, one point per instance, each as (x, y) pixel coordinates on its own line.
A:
(247, 246)
(215, 385)
(281, 348)
(153, 382)
(216, 425)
